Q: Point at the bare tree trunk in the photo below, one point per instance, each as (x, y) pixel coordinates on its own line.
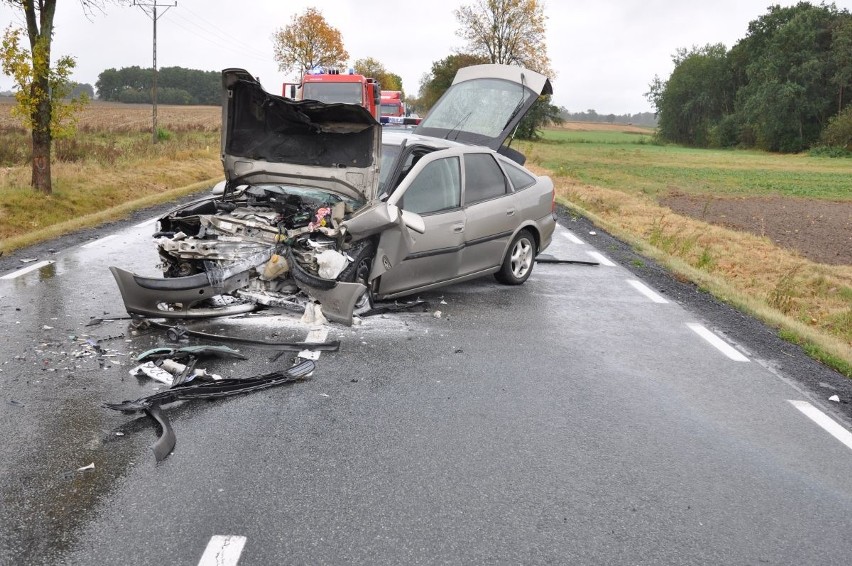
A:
(41, 180)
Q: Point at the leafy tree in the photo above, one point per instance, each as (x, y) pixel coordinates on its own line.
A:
(775, 89)
(698, 94)
(510, 32)
(540, 114)
(370, 67)
(838, 133)
(41, 85)
(789, 94)
(82, 89)
(308, 42)
(841, 57)
(439, 79)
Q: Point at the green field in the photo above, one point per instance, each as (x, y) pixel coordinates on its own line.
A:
(632, 162)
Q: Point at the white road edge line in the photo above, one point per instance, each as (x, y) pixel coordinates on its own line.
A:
(99, 241)
(601, 259)
(823, 420)
(717, 342)
(27, 269)
(223, 550)
(315, 335)
(572, 237)
(645, 290)
(147, 222)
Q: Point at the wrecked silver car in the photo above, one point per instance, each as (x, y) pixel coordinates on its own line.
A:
(317, 204)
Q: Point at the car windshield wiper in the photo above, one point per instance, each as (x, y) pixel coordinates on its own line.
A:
(457, 127)
(518, 106)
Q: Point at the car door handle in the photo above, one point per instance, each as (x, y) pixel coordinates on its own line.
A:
(510, 211)
(458, 228)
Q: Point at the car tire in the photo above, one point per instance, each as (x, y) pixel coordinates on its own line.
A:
(358, 270)
(519, 261)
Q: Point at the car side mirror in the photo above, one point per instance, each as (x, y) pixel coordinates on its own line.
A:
(413, 221)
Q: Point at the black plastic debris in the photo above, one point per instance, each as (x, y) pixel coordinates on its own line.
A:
(217, 389)
(395, 308)
(200, 351)
(547, 258)
(167, 439)
(151, 404)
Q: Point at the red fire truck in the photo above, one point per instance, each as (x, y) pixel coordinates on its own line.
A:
(330, 85)
(392, 104)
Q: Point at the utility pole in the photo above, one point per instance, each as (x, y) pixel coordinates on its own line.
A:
(150, 10)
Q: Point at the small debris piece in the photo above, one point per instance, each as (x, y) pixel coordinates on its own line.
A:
(16, 403)
(834, 398)
(29, 259)
(313, 315)
(593, 233)
(437, 314)
(119, 433)
(46, 327)
(89, 467)
(154, 372)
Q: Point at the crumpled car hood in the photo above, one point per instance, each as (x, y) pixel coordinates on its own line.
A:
(271, 139)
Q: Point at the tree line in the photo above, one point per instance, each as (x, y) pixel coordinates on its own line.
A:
(648, 119)
(785, 87)
(175, 85)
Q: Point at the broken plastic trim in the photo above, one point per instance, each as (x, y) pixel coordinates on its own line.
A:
(167, 440)
(216, 389)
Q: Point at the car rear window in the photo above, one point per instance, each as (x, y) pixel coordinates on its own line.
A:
(520, 179)
(483, 178)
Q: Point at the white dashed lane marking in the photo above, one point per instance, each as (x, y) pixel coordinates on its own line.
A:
(824, 421)
(602, 259)
(223, 550)
(26, 270)
(642, 288)
(316, 335)
(572, 237)
(717, 342)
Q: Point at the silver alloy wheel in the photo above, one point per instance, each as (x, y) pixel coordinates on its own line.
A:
(522, 258)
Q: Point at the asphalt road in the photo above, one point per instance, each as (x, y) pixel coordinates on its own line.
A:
(596, 415)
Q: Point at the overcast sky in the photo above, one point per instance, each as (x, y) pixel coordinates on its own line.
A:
(605, 52)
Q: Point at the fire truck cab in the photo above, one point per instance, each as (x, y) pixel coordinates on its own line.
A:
(330, 86)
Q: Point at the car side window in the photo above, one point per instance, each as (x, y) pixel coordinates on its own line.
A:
(483, 178)
(520, 179)
(437, 187)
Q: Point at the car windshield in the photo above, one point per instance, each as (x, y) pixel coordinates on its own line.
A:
(389, 154)
(349, 93)
(481, 107)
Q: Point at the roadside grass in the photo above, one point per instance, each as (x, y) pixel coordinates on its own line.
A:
(614, 182)
(108, 170)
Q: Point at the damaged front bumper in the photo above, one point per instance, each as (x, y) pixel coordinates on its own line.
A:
(177, 297)
(181, 297)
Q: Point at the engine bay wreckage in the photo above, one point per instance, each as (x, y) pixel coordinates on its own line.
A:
(299, 221)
